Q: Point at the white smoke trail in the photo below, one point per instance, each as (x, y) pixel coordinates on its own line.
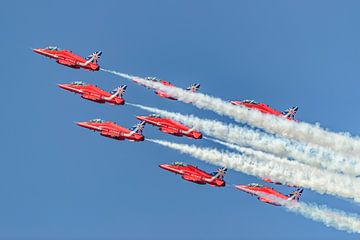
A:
(332, 218)
(304, 132)
(337, 219)
(245, 150)
(279, 170)
(306, 153)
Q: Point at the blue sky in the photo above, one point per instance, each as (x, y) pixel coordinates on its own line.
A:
(59, 181)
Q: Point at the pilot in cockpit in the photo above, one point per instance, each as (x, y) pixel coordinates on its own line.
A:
(154, 79)
(52, 48)
(154, 115)
(250, 101)
(79, 83)
(97, 120)
(255, 185)
(178, 164)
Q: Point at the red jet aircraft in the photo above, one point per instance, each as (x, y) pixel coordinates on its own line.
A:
(69, 59)
(95, 94)
(169, 126)
(194, 174)
(192, 88)
(263, 191)
(288, 113)
(112, 130)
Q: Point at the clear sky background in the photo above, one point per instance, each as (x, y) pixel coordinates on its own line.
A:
(60, 181)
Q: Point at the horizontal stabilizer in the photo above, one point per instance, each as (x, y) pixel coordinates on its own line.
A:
(290, 112)
(194, 87)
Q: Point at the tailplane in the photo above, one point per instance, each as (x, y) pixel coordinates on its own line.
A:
(194, 87)
(119, 91)
(138, 128)
(296, 194)
(290, 112)
(219, 173)
(94, 57)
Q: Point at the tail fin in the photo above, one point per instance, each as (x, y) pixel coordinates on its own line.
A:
(219, 173)
(194, 87)
(119, 91)
(290, 112)
(138, 127)
(296, 194)
(94, 57)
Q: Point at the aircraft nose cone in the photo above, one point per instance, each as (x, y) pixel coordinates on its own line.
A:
(83, 124)
(164, 166)
(37, 50)
(241, 187)
(64, 86)
(141, 118)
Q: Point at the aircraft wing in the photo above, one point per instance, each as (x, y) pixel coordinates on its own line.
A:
(111, 134)
(193, 178)
(66, 62)
(91, 97)
(269, 201)
(169, 130)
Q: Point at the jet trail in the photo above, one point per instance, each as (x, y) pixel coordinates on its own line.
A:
(337, 219)
(244, 150)
(304, 132)
(284, 171)
(331, 218)
(305, 153)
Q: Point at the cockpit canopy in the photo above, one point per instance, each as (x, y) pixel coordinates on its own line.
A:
(97, 120)
(154, 79)
(255, 185)
(249, 101)
(54, 48)
(178, 164)
(154, 115)
(79, 83)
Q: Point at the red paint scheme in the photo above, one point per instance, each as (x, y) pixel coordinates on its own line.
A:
(264, 108)
(112, 130)
(193, 88)
(164, 94)
(95, 94)
(263, 191)
(194, 174)
(169, 126)
(69, 59)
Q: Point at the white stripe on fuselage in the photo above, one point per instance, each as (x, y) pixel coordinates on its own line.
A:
(49, 54)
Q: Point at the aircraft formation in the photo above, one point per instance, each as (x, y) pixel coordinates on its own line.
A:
(112, 130)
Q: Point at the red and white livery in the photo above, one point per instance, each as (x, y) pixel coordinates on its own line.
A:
(95, 94)
(170, 126)
(269, 195)
(264, 108)
(196, 175)
(69, 59)
(192, 88)
(114, 131)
